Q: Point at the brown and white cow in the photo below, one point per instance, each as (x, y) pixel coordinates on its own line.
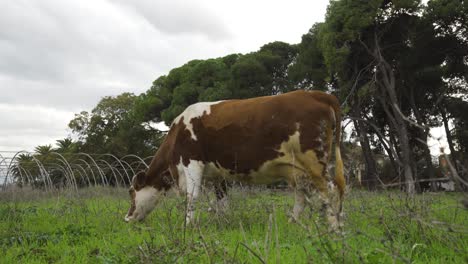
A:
(262, 140)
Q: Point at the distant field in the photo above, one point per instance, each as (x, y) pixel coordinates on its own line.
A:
(88, 227)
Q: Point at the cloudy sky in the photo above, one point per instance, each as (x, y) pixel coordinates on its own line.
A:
(60, 57)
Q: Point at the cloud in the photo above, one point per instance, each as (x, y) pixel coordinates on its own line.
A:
(24, 127)
(61, 57)
(180, 17)
(48, 47)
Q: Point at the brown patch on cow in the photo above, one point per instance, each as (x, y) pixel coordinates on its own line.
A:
(139, 180)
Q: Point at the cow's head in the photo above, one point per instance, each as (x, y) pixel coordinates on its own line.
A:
(143, 198)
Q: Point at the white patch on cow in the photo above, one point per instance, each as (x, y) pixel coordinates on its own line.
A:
(145, 201)
(182, 178)
(194, 111)
(193, 174)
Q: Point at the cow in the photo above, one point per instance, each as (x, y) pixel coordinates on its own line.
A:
(263, 140)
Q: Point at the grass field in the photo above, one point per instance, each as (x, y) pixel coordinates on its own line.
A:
(88, 227)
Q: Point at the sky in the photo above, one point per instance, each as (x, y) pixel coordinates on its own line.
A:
(61, 57)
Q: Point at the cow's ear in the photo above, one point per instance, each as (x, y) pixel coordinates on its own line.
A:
(139, 180)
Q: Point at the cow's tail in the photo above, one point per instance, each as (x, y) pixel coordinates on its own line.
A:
(339, 173)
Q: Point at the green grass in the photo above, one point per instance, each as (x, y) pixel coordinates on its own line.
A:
(88, 227)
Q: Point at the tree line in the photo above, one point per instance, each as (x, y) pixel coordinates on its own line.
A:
(399, 67)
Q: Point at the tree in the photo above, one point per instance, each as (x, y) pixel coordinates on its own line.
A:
(194, 81)
(372, 54)
(65, 145)
(43, 150)
(372, 49)
(308, 70)
(250, 78)
(113, 126)
(350, 66)
(450, 20)
(24, 170)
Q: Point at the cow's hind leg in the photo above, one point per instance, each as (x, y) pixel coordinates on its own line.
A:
(328, 194)
(299, 204)
(332, 205)
(222, 201)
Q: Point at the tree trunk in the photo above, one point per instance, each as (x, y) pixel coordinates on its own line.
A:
(394, 143)
(388, 146)
(448, 134)
(390, 150)
(423, 144)
(388, 92)
(453, 154)
(370, 176)
(406, 156)
(430, 165)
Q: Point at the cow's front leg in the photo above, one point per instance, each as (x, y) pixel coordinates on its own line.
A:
(194, 174)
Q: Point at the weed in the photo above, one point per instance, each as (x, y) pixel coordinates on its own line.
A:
(87, 227)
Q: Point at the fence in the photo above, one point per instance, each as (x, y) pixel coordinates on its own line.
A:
(57, 170)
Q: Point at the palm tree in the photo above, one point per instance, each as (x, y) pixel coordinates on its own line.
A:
(24, 167)
(65, 145)
(43, 150)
